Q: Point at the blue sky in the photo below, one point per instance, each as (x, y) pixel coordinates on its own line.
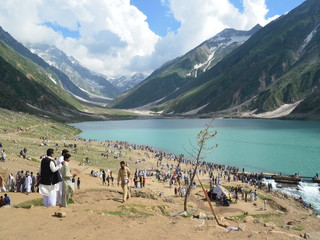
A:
(124, 37)
(161, 20)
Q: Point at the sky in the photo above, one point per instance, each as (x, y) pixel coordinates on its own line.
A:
(124, 37)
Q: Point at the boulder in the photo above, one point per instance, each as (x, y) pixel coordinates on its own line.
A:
(293, 222)
(311, 235)
(202, 215)
(242, 227)
(258, 220)
(288, 227)
(270, 224)
(60, 214)
(248, 219)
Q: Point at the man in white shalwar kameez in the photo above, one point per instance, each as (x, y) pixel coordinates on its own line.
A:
(11, 183)
(49, 180)
(2, 186)
(28, 182)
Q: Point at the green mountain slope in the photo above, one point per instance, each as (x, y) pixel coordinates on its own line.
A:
(61, 78)
(279, 64)
(26, 87)
(166, 82)
(92, 82)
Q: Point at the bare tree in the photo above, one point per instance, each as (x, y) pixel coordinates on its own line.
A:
(202, 139)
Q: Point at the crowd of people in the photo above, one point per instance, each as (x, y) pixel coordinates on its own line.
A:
(176, 171)
(23, 181)
(5, 201)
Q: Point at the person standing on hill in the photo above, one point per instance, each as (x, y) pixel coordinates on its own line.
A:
(104, 177)
(59, 161)
(124, 175)
(11, 183)
(49, 178)
(2, 186)
(28, 182)
(78, 183)
(68, 186)
(3, 156)
(33, 184)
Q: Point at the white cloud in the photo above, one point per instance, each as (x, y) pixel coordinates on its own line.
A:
(201, 20)
(115, 38)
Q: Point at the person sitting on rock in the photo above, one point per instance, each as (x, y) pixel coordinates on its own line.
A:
(6, 199)
(2, 203)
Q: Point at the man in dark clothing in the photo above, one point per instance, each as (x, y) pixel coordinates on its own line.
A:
(49, 178)
(6, 199)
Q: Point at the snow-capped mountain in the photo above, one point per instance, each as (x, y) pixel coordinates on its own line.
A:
(88, 81)
(173, 77)
(215, 48)
(125, 83)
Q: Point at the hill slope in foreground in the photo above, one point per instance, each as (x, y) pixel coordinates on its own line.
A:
(97, 210)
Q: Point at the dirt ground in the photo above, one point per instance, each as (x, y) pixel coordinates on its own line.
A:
(153, 212)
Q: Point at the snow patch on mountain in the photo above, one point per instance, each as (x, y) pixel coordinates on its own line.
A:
(125, 83)
(308, 39)
(52, 79)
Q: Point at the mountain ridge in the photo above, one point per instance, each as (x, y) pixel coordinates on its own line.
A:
(176, 73)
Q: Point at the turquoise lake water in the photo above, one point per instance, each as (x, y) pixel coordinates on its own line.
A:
(257, 145)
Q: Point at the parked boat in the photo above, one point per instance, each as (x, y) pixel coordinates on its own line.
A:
(316, 180)
(291, 179)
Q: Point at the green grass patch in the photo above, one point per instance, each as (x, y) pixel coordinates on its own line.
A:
(162, 209)
(188, 215)
(115, 213)
(298, 229)
(227, 187)
(240, 217)
(70, 201)
(263, 197)
(135, 209)
(28, 204)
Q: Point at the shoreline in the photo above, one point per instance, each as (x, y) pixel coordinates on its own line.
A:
(149, 215)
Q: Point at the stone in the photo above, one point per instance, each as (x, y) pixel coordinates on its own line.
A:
(270, 224)
(250, 235)
(184, 214)
(312, 235)
(210, 217)
(288, 227)
(60, 214)
(248, 219)
(258, 220)
(242, 227)
(202, 215)
(294, 222)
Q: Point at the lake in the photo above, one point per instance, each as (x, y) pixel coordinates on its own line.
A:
(253, 144)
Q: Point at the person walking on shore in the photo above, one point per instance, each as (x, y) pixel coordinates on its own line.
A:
(124, 175)
(49, 179)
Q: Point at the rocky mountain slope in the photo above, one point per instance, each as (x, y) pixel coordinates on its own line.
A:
(90, 82)
(165, 83)
(279, 64)
(125, 83)
(59, 77)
